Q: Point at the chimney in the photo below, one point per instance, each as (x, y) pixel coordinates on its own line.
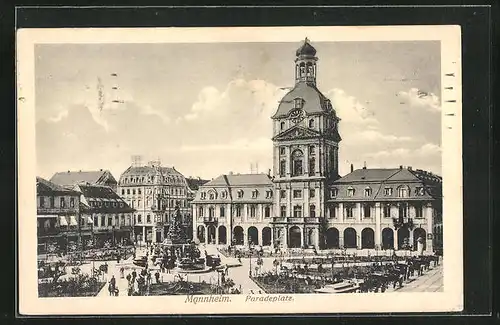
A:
(409, 168)
(269, 172)
(352, 168)
(101, 169)
(230, 173)
(400, 166)
(364, 164)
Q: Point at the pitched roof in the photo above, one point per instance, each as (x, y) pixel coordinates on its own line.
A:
(70, 178)
(100, 193)
(240, 180)
(369, 175)
(45, 186)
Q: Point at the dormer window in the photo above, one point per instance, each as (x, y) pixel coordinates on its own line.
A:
(368, 192)
(311, 123)
(403, 191)
(224, 194)
(419, 191)
(298, 103)
(282, 126)
(240, 194)
(255, 194)
(203, 195)
(350, 192)
(388, 191)
(211, 195)
(334, 192)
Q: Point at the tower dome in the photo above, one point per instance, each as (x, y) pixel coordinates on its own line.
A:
(306, 49)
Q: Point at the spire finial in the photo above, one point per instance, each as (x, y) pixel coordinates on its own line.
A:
(306, 40)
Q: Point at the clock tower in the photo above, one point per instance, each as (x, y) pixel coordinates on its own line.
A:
(305, 156)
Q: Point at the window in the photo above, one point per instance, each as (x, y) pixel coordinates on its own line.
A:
(403, 191)
(312, 166)
(211, 212)
(282, 125)
(312, 211)
(367, 209)
(267, 212)
(297, 194)
(297, 211)
(282, 168)
(282, 194)
(283, 211)
(222, 211)
(106, 204)
(311, 123)
(311, 150)
(212, 196)
(253, 211)
(312, 193)
(103, 221)
(117, 221)
(128, 191)
(297, 157)
(419, 191)
(42, 202)
(96, 221)
(52, 201)
(282, 151)
(255, 194)
(349, 211)
(334, 192)
(139, 203)
(418, 211)
(200, 211)
(269, 194)
(387, 210)
(139, 191)
(148, 219)
(133, 191)
(403, 211)
(350, 192)
(123, 191)
(238, 210)
(388, 191)
(333, 211)
(224, 194)
(139, 218)
(368, 192)
(203, 195)
(72, 202)
(240, 194)
(62, 203)
(298, 103)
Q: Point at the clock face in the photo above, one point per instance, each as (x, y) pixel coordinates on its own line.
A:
(296, 115)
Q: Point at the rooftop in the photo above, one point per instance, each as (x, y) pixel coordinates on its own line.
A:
(45, 186)
(240, 180)
(70, 178)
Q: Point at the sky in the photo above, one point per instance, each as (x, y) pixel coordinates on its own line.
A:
(205, 108)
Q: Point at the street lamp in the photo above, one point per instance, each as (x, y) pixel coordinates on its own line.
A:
(250, 260)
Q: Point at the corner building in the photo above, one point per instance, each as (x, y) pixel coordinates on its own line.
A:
(312, 206)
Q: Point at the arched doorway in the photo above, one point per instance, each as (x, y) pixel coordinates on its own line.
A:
(253, 235)
(211, 234)
(200, 233)
(367, 238)
(387, 238)
(238, 235)
(266, 236)
(403, 236)
(295, 237)
(419, 233)
(332, 238)
(350, 238)
(222, 235)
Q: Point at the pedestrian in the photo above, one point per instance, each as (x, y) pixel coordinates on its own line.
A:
(226, 269)
(148, 277)
(122, 272)
(157, 276)
(112, 285)
(118, 258)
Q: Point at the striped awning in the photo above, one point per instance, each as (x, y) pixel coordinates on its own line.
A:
(47, 216)
(72, 221)
(63, 221)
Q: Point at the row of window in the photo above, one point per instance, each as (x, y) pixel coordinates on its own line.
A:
(297, 165)
(403, 191)
(137, 204)
(106, 204)
(297, 194)
(151, 179)
(149, 191)
(51, 202)
(149, 219)
(212, 195)
(238, 209)
(107, 221)
(311, 151)
(311, 124)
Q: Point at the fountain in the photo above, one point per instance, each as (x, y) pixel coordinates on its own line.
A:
(181, 252)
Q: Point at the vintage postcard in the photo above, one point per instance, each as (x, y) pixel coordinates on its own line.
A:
(240, 170)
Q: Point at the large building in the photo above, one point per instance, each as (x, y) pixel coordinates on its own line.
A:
(58, 216)
(105, 217)
(100, 177)
(309, 203)
(154, 191)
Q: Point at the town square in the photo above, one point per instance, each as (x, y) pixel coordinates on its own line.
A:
(314, 222)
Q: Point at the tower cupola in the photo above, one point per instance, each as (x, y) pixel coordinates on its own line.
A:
(305, 63)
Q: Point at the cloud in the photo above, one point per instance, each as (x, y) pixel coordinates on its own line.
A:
(259, 144)
(62, 114)
(373, 135)
(350, 109)
(420, 99)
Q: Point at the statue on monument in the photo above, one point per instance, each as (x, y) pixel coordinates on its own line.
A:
(176, 234)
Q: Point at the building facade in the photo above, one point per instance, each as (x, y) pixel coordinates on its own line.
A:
(310, 204)
(106, 219)
(58, 217)
(234, 209)
(154, 191)
(99, 177)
